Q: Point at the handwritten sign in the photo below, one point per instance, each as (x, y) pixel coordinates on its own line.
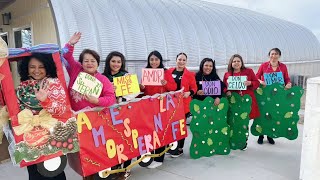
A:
(87, 85)
(152, 77)
(127, 84)
(237, 82)
(275, 77)
(211, 87)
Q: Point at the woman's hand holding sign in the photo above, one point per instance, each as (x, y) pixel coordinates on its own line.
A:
(288, 86)
(200, 92)
(91, 99)
(247, 83)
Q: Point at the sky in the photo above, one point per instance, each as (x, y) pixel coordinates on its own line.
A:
(303, 12)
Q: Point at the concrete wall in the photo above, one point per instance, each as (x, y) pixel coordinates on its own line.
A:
(310, 155)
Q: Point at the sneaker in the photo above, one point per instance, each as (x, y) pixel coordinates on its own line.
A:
(154, 164)
(245, 148)
(271, 141)
(177, 153)
(260, 140)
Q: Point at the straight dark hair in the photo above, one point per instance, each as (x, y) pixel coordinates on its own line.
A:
(182, 53)
(230, 68)
(214, 70)
(107, 68)
(89, 51)
(45, 59)
(158, 55)
(275, 49)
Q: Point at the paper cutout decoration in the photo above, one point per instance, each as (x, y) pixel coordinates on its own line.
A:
(87, 85)
(279, 111)
(238, 119)
(237, 82)
(152, 76)
(40, 141)
(275, 77)
(211, 133)
(211, 87)
(127, 84)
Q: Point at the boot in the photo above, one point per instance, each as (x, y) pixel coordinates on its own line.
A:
(260, 140)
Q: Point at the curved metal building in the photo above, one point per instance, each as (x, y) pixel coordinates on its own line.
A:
(198, 28)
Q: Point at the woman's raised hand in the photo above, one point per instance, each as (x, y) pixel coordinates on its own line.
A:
(75, 38)
(43, 93)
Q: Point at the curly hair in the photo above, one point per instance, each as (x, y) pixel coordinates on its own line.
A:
(45, 59)
(107, 68)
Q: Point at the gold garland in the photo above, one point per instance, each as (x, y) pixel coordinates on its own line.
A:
(92, 162)
(116, 130)
(170, 119)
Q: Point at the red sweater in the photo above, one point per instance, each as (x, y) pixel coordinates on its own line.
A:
(170, 86)
(188, 81)
(266, 68)
(250, 89)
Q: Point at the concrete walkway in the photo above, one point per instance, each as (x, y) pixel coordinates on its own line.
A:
(260, 162)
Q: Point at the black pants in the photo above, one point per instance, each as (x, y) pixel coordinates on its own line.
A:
(35, 175)
(181, 141)
(126, 163)
(158, 151)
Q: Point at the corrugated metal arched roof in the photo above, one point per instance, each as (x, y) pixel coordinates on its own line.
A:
(201, 29)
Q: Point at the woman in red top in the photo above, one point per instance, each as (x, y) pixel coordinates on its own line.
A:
(236, 68)
(273, 65)
(155, 61)
(183, 79)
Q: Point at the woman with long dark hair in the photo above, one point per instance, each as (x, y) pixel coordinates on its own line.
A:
(208, 72)
(155, 61)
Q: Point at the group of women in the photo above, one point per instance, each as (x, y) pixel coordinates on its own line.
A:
(40, 74)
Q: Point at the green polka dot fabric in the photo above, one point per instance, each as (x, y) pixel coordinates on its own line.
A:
(279, 111)
(238, 119)
(211, 133)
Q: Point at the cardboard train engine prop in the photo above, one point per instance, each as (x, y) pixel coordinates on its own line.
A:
(92, 141)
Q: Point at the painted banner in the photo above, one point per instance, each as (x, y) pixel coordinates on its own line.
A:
(87, 85)
(116, 134)
(127, 84)
(152, 77)
(275, 77)
(211, 87)
(237, 82)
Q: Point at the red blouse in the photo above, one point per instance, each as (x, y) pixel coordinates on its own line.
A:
(250, 89)
(267, 68)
